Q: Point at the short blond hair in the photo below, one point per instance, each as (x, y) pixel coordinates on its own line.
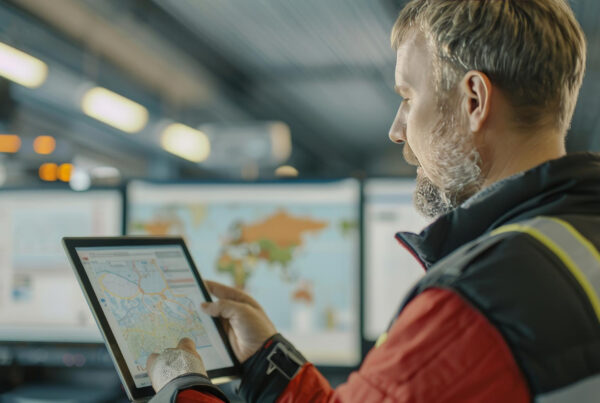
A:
(533, 50)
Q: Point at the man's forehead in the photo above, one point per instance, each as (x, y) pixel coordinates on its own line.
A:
(412, 58)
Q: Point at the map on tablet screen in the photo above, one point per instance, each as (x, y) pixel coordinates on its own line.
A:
(151, 300)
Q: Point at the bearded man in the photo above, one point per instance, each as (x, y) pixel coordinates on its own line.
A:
(509, 310)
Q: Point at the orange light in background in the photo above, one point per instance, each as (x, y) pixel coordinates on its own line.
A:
(9, 143)
(49, 172)
(44, 145)
(64, 172)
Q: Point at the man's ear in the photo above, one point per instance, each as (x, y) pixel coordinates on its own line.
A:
(476, 88)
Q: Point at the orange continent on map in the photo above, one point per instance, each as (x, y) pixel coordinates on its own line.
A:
(281, 228)
(272, 240)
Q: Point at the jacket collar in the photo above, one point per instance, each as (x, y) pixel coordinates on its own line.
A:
(568, 185)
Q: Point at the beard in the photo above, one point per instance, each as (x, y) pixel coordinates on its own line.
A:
(456, 167)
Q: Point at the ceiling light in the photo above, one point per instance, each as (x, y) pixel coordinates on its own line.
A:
(80, 180)
(44, 145)
(65, 172)
(48, 172)
(9, 143)
(105, 172)
(185, 142)
(22, 68)
(286, 171)
(114, 110)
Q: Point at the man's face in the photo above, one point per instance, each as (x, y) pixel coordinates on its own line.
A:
(435, 134)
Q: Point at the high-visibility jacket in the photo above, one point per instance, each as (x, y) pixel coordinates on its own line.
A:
(507, 312)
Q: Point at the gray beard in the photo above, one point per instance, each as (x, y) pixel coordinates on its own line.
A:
(429, 200)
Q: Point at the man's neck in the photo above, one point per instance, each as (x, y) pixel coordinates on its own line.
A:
(516, 155)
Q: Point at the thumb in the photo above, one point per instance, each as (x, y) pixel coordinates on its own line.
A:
(224, 308)
(150, 362)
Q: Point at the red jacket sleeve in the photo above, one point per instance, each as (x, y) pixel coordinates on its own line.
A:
(192, 396)
(439, 349)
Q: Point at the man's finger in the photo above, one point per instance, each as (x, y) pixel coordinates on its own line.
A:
(224, 308)
(150, 362)
(222, 291)
(188, 345)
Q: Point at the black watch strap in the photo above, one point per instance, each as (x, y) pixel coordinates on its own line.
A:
(267, 373)
(285, 360)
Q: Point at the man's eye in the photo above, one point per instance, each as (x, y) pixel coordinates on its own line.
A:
(405, 100)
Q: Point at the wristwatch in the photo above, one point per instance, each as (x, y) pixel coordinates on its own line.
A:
(284, 360)
(266, 374)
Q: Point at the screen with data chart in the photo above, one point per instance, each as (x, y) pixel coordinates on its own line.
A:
(40, 299)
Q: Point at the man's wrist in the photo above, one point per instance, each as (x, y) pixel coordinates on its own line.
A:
(172, 363)
(267, 372)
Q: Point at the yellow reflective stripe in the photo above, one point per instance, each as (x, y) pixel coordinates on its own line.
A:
(381, 339)
(584, 241)
(562, 255)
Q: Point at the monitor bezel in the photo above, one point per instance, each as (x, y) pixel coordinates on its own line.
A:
(134, 392)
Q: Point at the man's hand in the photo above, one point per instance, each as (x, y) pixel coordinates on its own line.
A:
(245, 322)
(174, 362)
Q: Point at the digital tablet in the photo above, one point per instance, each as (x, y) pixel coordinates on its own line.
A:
(145, 294)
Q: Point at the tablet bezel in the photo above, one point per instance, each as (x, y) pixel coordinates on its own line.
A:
(135, 393)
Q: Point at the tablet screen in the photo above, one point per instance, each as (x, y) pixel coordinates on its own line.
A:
(151, 299)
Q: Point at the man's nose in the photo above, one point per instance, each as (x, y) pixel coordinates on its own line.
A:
(398, 132)
(396, 136)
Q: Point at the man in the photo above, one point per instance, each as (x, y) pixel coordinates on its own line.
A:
(508, 310)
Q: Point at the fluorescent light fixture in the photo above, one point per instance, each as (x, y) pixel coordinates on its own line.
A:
(114, 110)
(185, 142)
(22, 68)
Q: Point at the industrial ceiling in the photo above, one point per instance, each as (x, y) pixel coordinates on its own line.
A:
(325, 68)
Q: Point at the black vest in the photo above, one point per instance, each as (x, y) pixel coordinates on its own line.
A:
(537, 282)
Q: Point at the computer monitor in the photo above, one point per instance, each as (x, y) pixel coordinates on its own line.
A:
(390, 270)
(294, 246)
(40, 299)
